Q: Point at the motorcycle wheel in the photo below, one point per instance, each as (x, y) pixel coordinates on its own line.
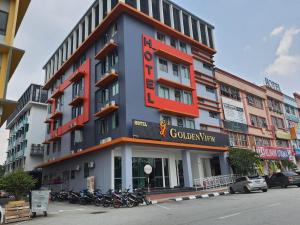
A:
(82, 202)
(98, 202)
(117, 204)
(106, 204)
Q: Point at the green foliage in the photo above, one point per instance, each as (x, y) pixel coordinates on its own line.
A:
(17, 183)
(243, 161)
(287, 164)
(2, 171)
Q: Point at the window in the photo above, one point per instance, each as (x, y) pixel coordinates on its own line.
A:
(86, 169)
(77, 111)
(185, 72)
(210, 37)
(173, 42)
(77, 88)
(177, 96)
(274, 105)
(257, 121)
(90, 23)
(195, 29)
(167, 119)
(190, 124)
(176, 19)
(187, 98)
(230, 92)
(57, 123)
(115, 88)
(186, 24)
(203, 33)
(255, 101)
(113, 60)
(261, 141)
(203, 127)
(115, 120)
(277, 122)
(103, 127)
(104, 9)
(114, 30)
(213, 115)
(180, 122)
(163, 65)
(161, 37)
(131, 3)
(167, 17)
(104, 96)
(175, 70)
(56, 146)
(236, 139)
(72, 174)
(210, 89)
(144, 7)
(3, 22)
(164, 92)
(182, 46)
(155, 9)
(282, 143)
(290, 109)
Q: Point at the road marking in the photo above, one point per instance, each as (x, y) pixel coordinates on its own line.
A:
(164, 207)
(273, 205)
(70, 210)
(228, 216)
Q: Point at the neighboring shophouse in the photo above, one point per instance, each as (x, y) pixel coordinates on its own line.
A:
(253, 116)
(132, 84)
(294, 123)
(26, 131)
(11, 16)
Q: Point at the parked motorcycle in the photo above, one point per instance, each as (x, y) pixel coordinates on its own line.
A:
(74, 197)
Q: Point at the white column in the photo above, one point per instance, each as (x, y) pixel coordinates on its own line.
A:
(126, 167)
(74, 41)
(199, 31)
(108, 6)
(93, 19)
(206, 33)
(172, 171)
(60, 56)
(191, 27)
(187, 168)
(138, 4)
(181, 21)
(213, 38)
(48, 70)
(80, 33)
(100, 11)
(150, 8)
(161, 11)
(52, 66)
(55, 63)
(207, 167)
(201, 168)
(86, 24)
(69, 47)
(225, 169)
(172, 16)
(64, 52)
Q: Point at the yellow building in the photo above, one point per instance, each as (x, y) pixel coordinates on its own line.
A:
(11, 16)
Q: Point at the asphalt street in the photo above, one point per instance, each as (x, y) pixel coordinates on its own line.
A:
(276, 207)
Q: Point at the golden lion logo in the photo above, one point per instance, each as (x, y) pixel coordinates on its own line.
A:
(163, 128)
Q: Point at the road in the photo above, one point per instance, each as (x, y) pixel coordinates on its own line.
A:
(276, 207)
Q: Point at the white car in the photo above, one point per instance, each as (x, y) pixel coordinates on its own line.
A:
(248, 184)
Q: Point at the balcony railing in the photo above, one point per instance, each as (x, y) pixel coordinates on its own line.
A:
(37, 150)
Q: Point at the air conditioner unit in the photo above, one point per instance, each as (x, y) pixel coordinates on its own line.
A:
(91, 165)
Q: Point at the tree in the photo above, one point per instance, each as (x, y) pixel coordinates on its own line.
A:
(287, 164)
(243, 161)
(17, 183)
(2, 171)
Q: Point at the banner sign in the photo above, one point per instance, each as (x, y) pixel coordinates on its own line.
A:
(164, 132)
(275, 153)
(233, 110)
(235, 126)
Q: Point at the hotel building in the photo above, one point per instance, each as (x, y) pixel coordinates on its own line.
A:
(133, 84)
(26, 131)
(11, 16)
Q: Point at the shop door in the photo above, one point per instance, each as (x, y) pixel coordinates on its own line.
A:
(215, 166)
(179, 172)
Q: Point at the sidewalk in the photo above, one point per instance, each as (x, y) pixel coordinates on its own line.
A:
(159, 198)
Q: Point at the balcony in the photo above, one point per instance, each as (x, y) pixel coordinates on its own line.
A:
(107, 79)
(77, 99)
(77, 76)
(56, 114)
(37, 150)
(174, 84)
(107, 109)
(74, 126)
(57, 93)
(111, 45)
(173, 57)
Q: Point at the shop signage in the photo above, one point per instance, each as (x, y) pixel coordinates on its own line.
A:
(274, 153)
(271, 84)
(283, 135)
(297, 152)
(163, 132)
(235, 126)
(233, 110)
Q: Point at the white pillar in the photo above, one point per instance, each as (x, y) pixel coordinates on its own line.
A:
(225, 169)
(207, 167)
(126, 167)
(64, 52)
(93, 19)
(181, 21)
(55, 63)
(100, 11)
(60, 56)
(201, 168)
(172, 171)
(187, 168)
(108, 6)
(86, 24)
(80, 33)
(52, 66)
(206, 33)
(150, 8)
(69, 47)
(74, 41)
(138, 4)
(161, 12)
(172, 16)
(191, 27)
(199, 31)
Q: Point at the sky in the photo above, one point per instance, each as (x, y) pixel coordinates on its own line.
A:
(254, 39)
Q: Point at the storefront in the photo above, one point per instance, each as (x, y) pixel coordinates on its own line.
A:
(297, 155)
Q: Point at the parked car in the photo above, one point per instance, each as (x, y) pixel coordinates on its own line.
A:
(284, 179)
(248, 184)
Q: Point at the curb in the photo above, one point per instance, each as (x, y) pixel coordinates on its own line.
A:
(192, 197)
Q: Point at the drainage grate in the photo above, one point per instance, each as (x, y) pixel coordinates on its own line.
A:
(99, 212)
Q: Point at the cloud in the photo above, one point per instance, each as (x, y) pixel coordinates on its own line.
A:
(277, 31)
(285, 64)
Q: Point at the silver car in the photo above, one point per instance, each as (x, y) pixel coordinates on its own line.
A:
(248, 184)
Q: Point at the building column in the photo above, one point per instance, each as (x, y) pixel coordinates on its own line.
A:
(150, 8)
(225, 169)
(172, 171)
(127, 167)
(69, 48)
(138, 4)
(108, 6)
(93, 18)
(199, 31)
(161, 11)
(187, 168)
(181, 21)
(207, 167)
(86, 25)
(191, 27)
(172, 16)
(74, 41)
(100, 11)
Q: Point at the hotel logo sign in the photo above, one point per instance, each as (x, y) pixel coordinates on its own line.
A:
(161, 131)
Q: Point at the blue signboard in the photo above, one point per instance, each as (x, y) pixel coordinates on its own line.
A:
(297, 151)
